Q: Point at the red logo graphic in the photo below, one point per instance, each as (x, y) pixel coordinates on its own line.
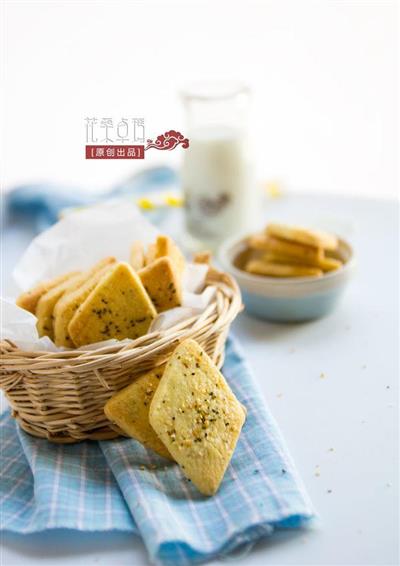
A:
(167, 141)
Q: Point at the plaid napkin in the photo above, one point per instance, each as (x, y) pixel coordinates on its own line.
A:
(120, 485)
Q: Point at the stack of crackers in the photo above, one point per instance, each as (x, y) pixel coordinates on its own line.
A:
(185, 411)
(291, 251)
(112, 299)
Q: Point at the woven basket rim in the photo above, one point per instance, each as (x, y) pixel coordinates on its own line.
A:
(60, 396)
(223, 281)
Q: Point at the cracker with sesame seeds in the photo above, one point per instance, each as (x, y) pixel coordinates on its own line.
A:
(196, 416)
(29, 300)
(69, 303)
(45, 307)
(162, 282)
(129, 410)
(118, 307)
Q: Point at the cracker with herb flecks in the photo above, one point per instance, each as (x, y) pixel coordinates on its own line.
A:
(69, 303)
(129, 409)
(166, 247)
(45, 307)
(162, 282)
(30, 299)
(197, 416)
(118, 307)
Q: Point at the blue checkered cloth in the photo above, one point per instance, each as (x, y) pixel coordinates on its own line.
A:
(119, 484)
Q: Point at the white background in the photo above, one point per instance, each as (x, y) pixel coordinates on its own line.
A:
(322, 73)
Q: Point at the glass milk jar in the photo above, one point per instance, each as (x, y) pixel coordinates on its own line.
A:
(219, 191)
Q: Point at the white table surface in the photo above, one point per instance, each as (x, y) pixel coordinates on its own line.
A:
(331, 384)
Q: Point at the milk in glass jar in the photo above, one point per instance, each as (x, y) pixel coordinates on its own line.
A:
(217, 179)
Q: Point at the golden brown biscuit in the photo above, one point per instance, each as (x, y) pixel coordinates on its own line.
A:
(324, 263)
(30, 299)
(258, 242)
(202, 257)
(284, 247)
(196, 416)
(162, 282)
(47, 302)
(302, 235)
(129, 409)
(150, 255)
(118, 307)
(293, 249)
(136, 258)
(69, 303)
(259, 267)
(329, 264)
(165, 247)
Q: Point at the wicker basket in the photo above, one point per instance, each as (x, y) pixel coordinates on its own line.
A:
(60, 396)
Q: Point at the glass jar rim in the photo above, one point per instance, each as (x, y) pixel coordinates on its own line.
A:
(213, 90)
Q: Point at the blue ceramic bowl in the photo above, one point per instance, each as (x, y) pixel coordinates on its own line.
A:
(288, 299)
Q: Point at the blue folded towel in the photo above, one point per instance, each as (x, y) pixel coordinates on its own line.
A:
(41, 204)
(119, 484)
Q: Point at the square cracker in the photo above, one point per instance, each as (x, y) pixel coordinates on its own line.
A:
(129, 409)
(161, 280)
(166, 247)
(118, 307)
(30, 299)
(69, 303)
(197, 416)
(45, 307)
